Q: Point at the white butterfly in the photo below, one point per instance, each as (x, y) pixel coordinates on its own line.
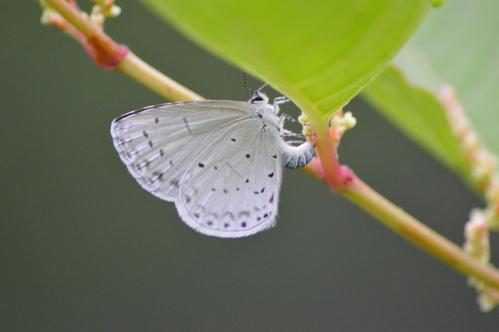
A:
(218, 160)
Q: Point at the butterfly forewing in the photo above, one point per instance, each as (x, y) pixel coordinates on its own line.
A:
(232, 188)
(158, 143)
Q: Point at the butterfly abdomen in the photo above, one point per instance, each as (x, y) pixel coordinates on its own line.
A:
(294, 157)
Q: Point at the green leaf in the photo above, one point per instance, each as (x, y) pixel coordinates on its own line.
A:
(419, 113)
(318, 53)
(456, 44)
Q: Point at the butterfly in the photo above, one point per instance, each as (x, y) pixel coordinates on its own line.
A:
(219, 161)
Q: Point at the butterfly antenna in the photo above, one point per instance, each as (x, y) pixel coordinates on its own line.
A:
(263, 86)
(246, 85)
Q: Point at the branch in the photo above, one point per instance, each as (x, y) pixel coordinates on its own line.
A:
(112, 56)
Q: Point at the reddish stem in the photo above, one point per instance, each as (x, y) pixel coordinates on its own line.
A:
(336, 175)
(103, 50)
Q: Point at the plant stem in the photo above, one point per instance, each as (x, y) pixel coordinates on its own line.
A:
(327, 154)
(73, 16)
(164, 86)
(110, 55)
(416, 232)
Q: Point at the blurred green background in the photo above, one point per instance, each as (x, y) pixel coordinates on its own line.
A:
(84, 248)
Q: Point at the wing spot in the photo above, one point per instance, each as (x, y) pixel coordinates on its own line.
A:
(201, 165)
(196, 215)
(213, 189)
(258, 219)
(237, 189)
(247, 156)
(156, 120)
(243, 224)
(215, 167)
(233, 139)
(187, 199)
(247, 180)
(139, 167)
(132, 154)
(174, 183)
(244, 213)
(230, 215)
(161, 152)
(187, 125)
(225, 190)
(171, 163)
(226, 225)
(158, 175)
(274, 156)
(271, 175)
(209, 223)
(263, 189)
(271, 200)
(145, 134)
(150, 144)
(256, 192)
(265, 215)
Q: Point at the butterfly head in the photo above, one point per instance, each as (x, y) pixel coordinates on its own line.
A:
(259, 98)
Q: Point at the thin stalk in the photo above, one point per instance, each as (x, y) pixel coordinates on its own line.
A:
(151, 78)
(413, 230)
(326, 151)
(110, 55)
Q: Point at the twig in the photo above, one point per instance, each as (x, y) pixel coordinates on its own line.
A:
(112, 56)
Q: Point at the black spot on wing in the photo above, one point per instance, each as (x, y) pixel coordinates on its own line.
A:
(244, 213)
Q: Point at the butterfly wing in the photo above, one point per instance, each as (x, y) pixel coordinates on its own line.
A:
(158, 143)
(232, 187)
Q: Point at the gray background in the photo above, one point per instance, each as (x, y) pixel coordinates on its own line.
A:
(84, 248)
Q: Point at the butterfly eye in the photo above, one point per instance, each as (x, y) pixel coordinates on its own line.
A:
(256, 97)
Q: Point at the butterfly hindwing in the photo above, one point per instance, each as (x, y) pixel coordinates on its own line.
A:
(232, 188)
